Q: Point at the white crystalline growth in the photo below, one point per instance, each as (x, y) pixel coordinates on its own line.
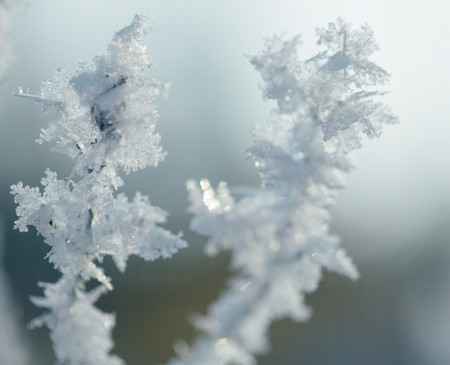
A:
(72, 319)
(279, 235)
(104, 118)
(106, 113)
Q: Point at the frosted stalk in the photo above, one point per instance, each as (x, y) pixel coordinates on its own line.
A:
(279, 235)
(104, 119)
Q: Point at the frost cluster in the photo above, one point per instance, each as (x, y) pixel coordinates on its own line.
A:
(279, 234)
(104, 119)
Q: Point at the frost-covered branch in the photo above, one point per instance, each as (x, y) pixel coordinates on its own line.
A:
(103, 118)
(279, 234)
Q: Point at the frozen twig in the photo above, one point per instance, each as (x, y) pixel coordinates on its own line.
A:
(104, 118)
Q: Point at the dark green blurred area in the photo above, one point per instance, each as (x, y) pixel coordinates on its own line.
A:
(363, 322)
(359, 322)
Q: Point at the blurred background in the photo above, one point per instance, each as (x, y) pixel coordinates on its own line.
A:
(393, 217)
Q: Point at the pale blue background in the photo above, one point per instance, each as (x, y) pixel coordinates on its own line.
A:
(393, 216)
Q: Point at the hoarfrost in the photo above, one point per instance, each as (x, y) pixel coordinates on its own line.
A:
(104, 118)
(279, 235)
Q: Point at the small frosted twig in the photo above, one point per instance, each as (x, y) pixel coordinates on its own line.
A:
(36, 98)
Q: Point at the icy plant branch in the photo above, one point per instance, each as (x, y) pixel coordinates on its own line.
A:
(279, 234)
(103, 118)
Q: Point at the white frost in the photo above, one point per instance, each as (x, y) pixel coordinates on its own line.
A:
(104, 118)
(279, 235)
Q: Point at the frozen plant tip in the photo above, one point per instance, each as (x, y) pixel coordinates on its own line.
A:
(279, 234)
(103, 118)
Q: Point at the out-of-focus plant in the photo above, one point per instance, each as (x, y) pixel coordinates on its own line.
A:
(13, 346)
(5, 45)
(279, 234)
(104, 119)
